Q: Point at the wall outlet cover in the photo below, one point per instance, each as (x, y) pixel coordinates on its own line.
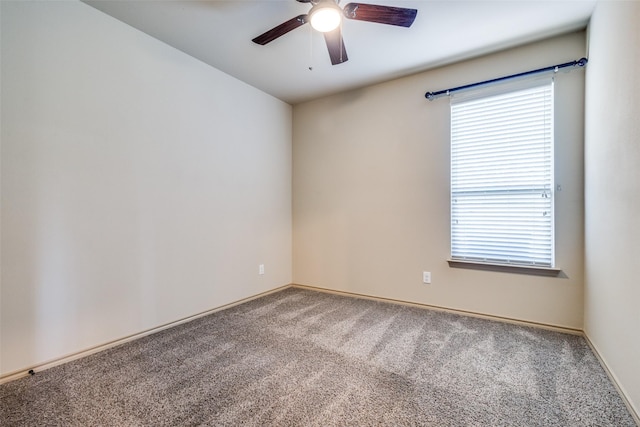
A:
(426, 277)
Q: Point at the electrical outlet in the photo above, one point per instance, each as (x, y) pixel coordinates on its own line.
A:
(426, 277)
(261, 269)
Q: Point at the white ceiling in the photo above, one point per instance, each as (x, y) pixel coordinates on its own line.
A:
(219, 33)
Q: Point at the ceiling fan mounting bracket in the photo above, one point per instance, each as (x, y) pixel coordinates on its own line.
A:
(350, 10)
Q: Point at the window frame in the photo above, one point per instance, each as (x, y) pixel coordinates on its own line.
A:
(497, 91)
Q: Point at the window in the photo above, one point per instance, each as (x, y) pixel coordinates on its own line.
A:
(502, 175)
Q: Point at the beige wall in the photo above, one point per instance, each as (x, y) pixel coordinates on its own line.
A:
(612, 191)
(139, 185)
(371, 193)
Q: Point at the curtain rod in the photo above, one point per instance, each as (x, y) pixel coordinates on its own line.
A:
(434, 95)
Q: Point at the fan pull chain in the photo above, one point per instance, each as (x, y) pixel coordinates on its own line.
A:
(341, 42)
(310, 48)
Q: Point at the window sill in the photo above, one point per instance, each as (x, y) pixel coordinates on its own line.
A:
(506, 268)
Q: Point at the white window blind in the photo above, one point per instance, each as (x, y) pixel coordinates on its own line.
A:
(502, 175)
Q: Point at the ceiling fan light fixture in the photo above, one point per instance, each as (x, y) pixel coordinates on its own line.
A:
(325, 16)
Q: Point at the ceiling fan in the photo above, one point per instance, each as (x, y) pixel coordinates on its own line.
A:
(326, 17)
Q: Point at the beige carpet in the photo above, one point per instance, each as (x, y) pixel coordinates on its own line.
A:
(304, 358)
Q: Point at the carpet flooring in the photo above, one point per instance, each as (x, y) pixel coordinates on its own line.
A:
(304, 358)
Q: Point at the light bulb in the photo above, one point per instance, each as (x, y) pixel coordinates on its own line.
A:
(325, 17)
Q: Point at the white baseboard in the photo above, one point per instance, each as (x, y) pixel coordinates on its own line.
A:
(10, 376)
(556, 328)
(614, 380)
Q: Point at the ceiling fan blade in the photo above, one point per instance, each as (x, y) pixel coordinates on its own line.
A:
(335, 44)
(281, 30)
(399, 16)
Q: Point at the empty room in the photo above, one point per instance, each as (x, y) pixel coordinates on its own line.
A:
(319, 213)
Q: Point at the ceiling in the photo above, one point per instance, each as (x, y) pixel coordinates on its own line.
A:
(296, 66)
